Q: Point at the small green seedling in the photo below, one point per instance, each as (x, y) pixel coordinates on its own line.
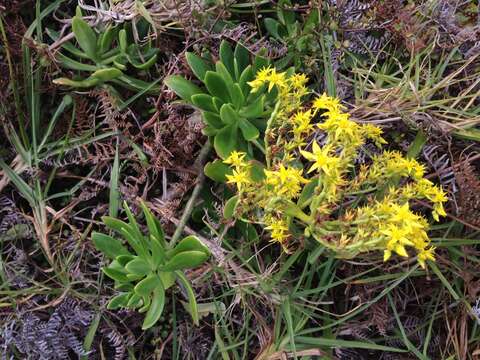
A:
(105, 57)
(145, 266)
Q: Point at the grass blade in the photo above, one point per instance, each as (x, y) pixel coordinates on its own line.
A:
(114, 197)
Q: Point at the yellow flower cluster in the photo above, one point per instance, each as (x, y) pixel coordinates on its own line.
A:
(268, 76)
(391, 227)
(392, 165)
(306, 180)
(280, 183)
(278, 230)
(290, 88)
(286, 182)
(240, 175)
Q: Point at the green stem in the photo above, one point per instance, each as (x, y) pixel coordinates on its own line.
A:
(300, 215)
(259, 146)
(271, 120)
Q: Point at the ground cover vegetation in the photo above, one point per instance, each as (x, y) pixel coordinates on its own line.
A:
(208, 179)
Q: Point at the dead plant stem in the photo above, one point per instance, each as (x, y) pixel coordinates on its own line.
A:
(198, 165)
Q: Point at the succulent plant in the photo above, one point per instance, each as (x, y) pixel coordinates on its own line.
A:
(146, 265)
(234, 116)
(105, 57)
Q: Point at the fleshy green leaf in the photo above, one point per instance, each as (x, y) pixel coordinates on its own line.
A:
(136, 232)
(217, 86)
(106, 74)
(147, 285)
(117, 265)
(168, 279)
(225, 74)
(134, 277)
(182, 87)
(147, 300)
(218, 103)
(124, 259)
(230, 206)
(227, 56)
(217, 171)
(237, 96)
(138, 266)
(124, 286)
(255, 109)
(132, 222)
(242, 59)
(81, 84)
(192, 302)
(198, 65)
(249, 131)
(134, 301)
(157, 236)
(156, 308)
(144, 65)
(106, 39)
(110, 246)
(69, 63)
(115, 274)
(307, 193)
(115, 224)
(189, 243)
(259, 63)
(157, 250)
(152, 226)
(160, 233)
(120, 61)
(245, 77)
(185, 260)
(257, 171)
(226, 141)
(213, 120)
(134, 243)
(118, 301)
(204, 102)
(122, 40)
(209, 131)
(85, 37)
(229, 115)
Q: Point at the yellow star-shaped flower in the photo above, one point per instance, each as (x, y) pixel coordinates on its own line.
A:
(321, 158)
(236, 159)
(424, 255)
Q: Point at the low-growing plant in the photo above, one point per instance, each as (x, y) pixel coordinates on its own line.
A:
(234, 116)
(105, 56)
(299, 37)
(348, 208)
(148, 266)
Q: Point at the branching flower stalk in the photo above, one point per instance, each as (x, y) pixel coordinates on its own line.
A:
(304, 184)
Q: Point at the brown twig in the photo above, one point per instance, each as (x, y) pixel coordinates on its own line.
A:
(198, 165)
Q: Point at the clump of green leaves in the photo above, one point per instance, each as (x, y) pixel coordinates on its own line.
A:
(299, 37)
(233, 115)
(148, 266)
(105, 56)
